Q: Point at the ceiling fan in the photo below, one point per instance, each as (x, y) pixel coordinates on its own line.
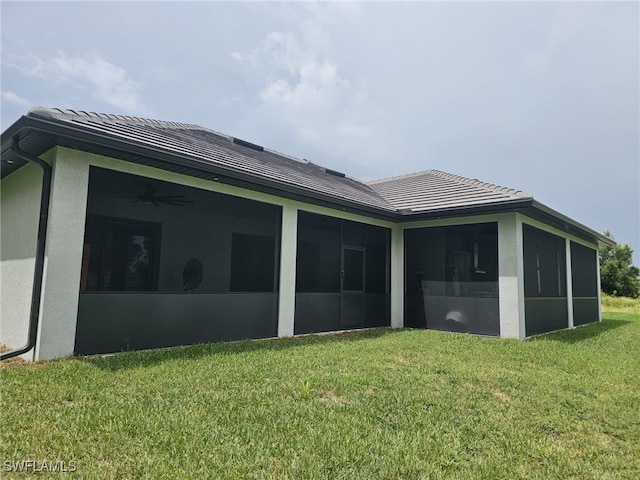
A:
(150, 197)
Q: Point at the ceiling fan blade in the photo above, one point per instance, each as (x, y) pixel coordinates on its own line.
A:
(149, 196)
(122, 195)
(170, 196)
(174, 200)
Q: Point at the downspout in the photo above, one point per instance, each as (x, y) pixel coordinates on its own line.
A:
(40, 246)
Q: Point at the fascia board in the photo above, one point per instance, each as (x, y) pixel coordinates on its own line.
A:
(81, 136)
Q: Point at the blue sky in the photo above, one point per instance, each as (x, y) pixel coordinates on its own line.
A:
(542, 97)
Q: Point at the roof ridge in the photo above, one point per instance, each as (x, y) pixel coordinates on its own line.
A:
(474, 182)
(480, 184)
(57, 112)
(111, 121)
(399, 177)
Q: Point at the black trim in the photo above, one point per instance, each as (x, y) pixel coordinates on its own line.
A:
(334, 173)
(38, 274)
(252, 146)
(51, 133)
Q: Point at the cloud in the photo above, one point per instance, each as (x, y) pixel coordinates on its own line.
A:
(107, 82)
(305, 93)
(302, 74)
(15, 99)
(314, 86)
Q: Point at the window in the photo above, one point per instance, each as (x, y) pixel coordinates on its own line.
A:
(120, 255)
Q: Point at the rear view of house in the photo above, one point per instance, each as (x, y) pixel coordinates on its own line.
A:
(121, 233)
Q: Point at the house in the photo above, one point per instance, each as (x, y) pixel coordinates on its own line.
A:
(121, 233)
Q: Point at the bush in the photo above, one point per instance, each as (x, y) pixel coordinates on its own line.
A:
(618, 275)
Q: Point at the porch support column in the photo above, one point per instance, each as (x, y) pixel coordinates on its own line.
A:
(598, 285)
(569, 276)
(397, 277)
(288, 254)
(511, 277)
(63, 255)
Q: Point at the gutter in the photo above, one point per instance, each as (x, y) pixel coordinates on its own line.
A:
(40, 248)
(79, 136)
(464, 210)
(600, 238)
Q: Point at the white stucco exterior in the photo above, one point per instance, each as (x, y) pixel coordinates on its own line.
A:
(569, 282)
(510, 265)
(511, 276)
(288, 244)
(65, 236)
(63, 256)
(20, 210)
(397, 277)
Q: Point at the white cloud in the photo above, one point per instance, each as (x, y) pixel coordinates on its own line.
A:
(305, 91)
(107, 82)
(302, 74)
(15, 99)
(240, 57)
(315, 86)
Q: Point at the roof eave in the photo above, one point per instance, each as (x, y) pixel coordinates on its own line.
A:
(28, 124)
(467, 210)
(570, 224)
(55, 131)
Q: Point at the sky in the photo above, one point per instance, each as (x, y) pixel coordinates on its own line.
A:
(543, 97)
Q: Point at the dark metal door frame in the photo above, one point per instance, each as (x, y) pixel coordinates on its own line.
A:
(352, 288)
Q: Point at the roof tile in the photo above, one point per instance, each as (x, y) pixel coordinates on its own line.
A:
(207, 145)
(427, 191)
(433, 190)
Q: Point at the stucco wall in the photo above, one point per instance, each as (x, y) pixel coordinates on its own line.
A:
(64, 252)
(19, 213)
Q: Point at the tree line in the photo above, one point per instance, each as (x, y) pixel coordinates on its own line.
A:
(618, 276)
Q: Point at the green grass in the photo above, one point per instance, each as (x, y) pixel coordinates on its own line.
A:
(621, 304)
(375, 404)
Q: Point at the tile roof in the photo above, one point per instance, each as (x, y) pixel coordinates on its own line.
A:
(202, 144)
(193, 150)
(433, 190)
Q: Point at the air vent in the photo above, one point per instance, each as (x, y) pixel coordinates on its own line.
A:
(334, 172)
(252, 146)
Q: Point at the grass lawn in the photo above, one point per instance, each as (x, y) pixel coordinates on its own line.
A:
(385, 404)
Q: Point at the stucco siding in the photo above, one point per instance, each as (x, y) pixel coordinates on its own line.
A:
(19, 214)
(59, 307)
